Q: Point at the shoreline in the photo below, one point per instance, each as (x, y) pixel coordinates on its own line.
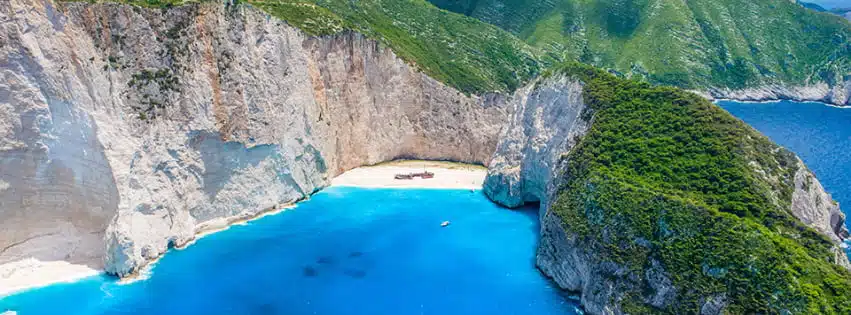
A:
(818, 92)
(447, 175)
(30, 273)
(774, 101)
(205, 229)
(715, 95)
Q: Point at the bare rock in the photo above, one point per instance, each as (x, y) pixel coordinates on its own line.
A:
(838, 94)
(124, 130)
(547, 122)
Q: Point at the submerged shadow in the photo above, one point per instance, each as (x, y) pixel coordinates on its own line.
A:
(357, 274)
(326, 260)
(309, 272)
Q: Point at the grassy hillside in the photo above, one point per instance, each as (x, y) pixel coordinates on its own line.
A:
(696, 43)
(665, 175)
(463, 52)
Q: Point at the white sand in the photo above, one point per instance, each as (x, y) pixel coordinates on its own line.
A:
(202, 230)
(446, 175)
(32, 273)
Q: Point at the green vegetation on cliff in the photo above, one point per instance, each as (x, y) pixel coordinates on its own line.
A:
(463, 52)
(695, 43)
(666, 176)
(691, 44)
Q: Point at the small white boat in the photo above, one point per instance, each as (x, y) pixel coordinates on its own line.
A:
(444, 224)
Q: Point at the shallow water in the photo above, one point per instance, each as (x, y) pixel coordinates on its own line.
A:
(818, 133)
(344, 251)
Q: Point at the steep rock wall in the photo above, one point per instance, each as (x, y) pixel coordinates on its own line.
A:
(130, 129)
(550, 118)
(838, 94)
(126, 130)
(815, 207)
(529, 166)
(547, 122)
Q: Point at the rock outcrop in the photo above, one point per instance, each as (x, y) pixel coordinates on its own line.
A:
(815, 207)
(572, 267)
(547, 122)
(129, 129)
(550, 117)
(838, 94)
(124, 131)
(529, 166)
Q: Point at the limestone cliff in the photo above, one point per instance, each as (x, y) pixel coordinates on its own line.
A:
(815, 207)
(124, 131)
(530, 165)
(547, 122)
(838, 94)
(129, 129)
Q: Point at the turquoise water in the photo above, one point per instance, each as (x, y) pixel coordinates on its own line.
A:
(344, 251)
(819, 134)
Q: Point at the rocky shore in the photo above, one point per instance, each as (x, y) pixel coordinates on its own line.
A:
(126, 131)
(838, 95)
(130, 129)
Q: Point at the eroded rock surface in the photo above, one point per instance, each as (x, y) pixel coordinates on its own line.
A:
(528, 166)
(838, 94)
(547, 122)
(815, 207)
(125, 130)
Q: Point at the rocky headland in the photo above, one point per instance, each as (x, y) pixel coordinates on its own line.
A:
(125, 131)
(839, 94)
(125, 128)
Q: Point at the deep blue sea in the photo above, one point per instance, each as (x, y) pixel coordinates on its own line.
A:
(818, 133)
(344, 251)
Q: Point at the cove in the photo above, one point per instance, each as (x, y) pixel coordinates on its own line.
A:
(820, 134)
(346, 250)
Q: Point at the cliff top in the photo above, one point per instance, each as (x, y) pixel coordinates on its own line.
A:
(733, 44)
(470, 55)
(691, 44)
(666, 176)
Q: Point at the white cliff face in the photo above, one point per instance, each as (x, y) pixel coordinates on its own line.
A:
(547, 122)
(815, 207)
(125, 130)
(549, 119)
(56, 184)
(839, 94)
(528, 166)
(572, 267)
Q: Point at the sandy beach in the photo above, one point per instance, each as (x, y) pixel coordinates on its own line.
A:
(32, 273)
(446, 175)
